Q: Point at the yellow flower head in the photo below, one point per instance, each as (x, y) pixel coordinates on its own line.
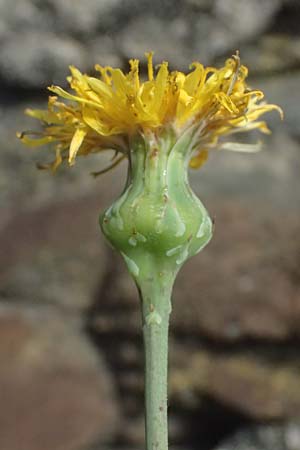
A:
(105, 112)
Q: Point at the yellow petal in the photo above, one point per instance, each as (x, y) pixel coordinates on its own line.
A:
(47, 116)
(226, 102)
(241, 147)
(75, 72)
(248, 126)
(104, 73)
(58, 160)
(76, 142)
(93, 120)
(134, 73)
(62, 93)
(149, 57)
(193, 79)
(198, 160)
(119, 82)
(34, 142)
(100, 87)
(160, 87)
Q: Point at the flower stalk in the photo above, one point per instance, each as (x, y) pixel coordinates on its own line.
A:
(157, 224)
(155, 293)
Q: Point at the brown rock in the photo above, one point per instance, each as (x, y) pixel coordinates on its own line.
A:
(55, 254)
(55, 390)
(255, 387)
(246, 282)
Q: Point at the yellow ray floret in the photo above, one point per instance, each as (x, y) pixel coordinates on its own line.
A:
(106, 111)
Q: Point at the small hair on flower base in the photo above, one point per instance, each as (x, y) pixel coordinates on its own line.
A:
(161, 126)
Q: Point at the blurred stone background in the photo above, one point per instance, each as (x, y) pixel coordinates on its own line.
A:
(70, 340)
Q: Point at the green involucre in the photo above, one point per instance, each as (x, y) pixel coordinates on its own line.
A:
(158, 215)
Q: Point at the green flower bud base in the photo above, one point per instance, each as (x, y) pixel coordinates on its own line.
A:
(157, 224)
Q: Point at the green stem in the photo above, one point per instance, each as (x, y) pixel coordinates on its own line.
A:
(155, 292)
(157, 224)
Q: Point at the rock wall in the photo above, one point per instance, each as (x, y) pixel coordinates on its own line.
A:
(70, 339)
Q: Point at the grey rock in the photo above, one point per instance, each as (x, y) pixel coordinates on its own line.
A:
(272, 53)
(65, 17)
(85, 17)
(268, 437)
(244, 18)
(186, 38)
(22, 15)
(37, 59)
(209, 38)
(283, 89)
(200, 5)
(104, 51)
(270, 176)
(167, 39)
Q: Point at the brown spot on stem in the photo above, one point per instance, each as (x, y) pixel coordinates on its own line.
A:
(154, 153)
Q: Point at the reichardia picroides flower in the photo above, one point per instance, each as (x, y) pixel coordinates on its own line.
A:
(107, 111)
